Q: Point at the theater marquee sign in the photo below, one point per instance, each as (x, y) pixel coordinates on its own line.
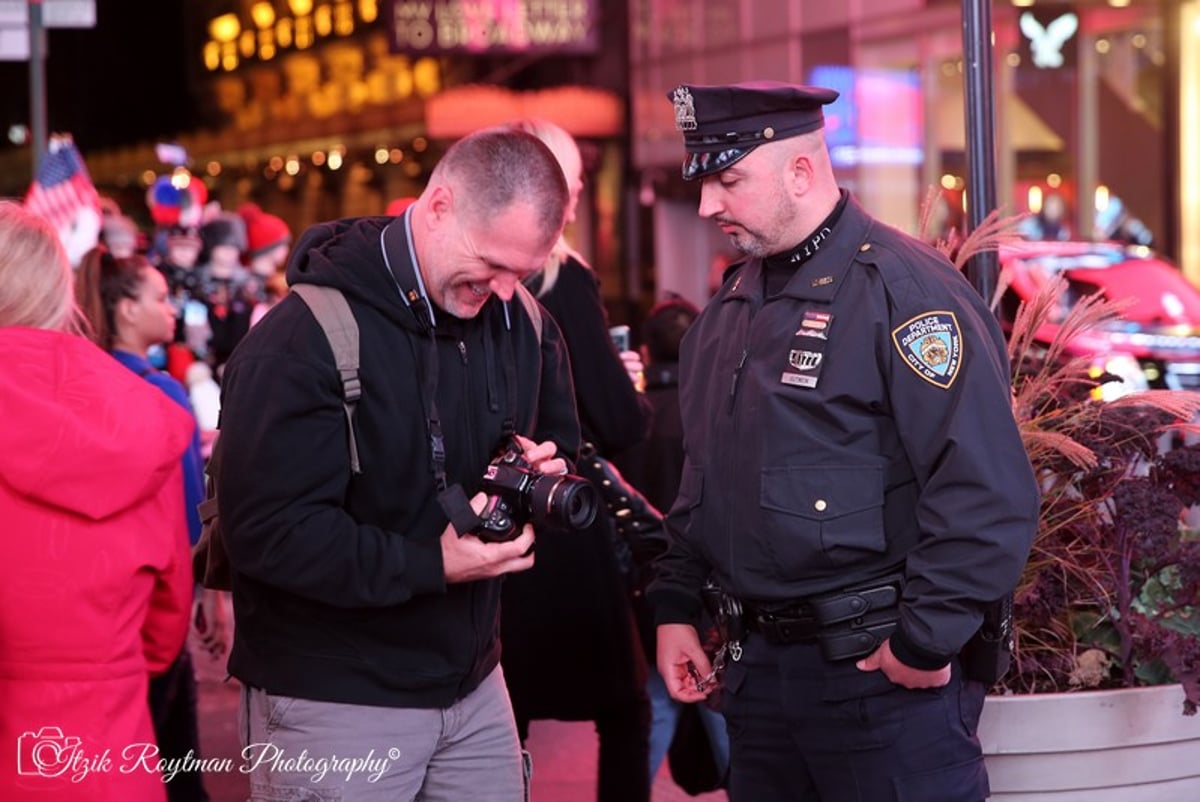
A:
(492, 26)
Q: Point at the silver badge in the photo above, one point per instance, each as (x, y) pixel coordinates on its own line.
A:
(804, 360)
(685, 109)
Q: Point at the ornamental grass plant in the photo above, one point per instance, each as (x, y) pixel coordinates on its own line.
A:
(1110, 596)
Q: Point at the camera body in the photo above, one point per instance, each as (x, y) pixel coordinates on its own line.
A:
(518, 494)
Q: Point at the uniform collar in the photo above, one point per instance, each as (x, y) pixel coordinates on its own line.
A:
(820, 277)
(811, 245)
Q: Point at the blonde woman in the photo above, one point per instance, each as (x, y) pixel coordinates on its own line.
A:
(99, 584)
(576, 598)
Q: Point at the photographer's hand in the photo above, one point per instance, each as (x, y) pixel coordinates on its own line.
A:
(467, 558)
(542, 456)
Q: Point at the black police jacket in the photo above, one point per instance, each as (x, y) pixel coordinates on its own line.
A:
(338, 588)
(857, 423)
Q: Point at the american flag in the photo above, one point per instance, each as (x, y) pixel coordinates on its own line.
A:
(62, 186)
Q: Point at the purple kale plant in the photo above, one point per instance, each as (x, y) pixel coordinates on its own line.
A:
(1110, 596)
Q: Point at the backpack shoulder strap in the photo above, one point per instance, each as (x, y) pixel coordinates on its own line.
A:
(532, 308)
(208, 507)
(329, 307)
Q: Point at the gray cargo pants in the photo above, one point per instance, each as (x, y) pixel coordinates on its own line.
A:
(300, 749)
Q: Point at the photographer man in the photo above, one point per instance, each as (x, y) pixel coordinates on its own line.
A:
(853, 481)
(367, 624)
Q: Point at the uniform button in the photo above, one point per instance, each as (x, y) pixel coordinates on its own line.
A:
(820, 505)
(856, 604)
(865, 247)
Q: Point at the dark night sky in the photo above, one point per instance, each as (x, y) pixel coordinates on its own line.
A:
(121, 82)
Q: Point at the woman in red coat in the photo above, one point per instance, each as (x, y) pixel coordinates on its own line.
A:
(98, 584)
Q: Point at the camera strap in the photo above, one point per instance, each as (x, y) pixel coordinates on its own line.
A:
(510, 381)
(396, 238)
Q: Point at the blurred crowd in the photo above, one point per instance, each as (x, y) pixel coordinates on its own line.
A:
(119, 336)
(223, 272)
(151, 318)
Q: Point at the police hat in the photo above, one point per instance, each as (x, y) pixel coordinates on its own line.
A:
(721, 124)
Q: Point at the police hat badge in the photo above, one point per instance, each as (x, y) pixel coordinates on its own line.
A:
(685, 109)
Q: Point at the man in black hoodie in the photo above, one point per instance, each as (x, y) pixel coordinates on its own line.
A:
(366, 624)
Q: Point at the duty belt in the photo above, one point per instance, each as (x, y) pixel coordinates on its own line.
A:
(848, 623)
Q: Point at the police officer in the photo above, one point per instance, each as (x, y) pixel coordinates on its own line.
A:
(854, 479)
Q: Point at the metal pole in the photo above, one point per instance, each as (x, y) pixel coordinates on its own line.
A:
(37, 83)
(981, 144)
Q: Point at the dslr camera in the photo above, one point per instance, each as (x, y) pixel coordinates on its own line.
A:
(517, 494)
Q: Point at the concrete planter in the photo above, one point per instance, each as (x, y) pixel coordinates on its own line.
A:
(1129, 745)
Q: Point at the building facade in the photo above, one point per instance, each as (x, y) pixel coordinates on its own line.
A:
(1095, 103)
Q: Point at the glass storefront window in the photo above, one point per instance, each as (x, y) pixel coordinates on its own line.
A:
(1096, 103)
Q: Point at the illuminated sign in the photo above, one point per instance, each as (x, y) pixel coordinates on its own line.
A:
(346, 77)
(492, 26)
(878, 117)
(265, 34)
(1048, 37)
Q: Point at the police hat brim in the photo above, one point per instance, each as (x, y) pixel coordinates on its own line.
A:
(710, 162)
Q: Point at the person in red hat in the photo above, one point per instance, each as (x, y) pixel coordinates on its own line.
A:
(268, 240)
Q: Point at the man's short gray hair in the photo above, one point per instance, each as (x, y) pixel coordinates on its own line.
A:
(496, 167)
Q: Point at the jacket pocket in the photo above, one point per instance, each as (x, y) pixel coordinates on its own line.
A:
(818, 517)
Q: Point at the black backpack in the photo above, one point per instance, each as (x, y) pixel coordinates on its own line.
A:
(210, 562)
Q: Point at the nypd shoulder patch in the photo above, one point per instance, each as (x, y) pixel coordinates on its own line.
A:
(931, 344)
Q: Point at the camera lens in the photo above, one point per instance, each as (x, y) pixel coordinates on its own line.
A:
(566, 501)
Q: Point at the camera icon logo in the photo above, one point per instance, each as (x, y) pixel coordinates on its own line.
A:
(45, 753)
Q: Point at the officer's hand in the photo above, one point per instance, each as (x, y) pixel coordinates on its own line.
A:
(468, 558)
(678, 648)
(541, 456)
(903, 675)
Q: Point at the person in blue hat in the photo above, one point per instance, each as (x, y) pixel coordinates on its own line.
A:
(854, 484)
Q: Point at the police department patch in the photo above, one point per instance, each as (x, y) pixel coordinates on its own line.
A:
(931, 345)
